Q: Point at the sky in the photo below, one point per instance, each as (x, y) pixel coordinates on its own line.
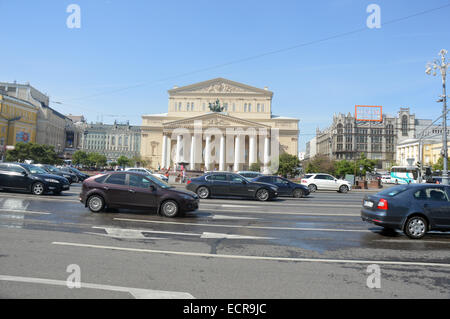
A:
(126, 54)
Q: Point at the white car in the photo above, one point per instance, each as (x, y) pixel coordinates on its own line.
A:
(386, 179)
(325, 182)
(147, 172)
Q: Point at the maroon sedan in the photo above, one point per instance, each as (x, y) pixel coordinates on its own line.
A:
(135, 191)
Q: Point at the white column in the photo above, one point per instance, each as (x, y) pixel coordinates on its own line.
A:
(266, 154)
(164, 152)
(237, 152)
(252, 150)
(179, 146)
(222, 153)
(193, 148)
(208, 152)
(169, 151)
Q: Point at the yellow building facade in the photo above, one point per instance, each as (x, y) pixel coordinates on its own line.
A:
(17, 121)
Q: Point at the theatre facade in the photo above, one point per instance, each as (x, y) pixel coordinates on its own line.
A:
(218, 125)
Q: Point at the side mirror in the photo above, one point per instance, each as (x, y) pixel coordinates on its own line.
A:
(24, 173)
(244, 182)
(152, 188)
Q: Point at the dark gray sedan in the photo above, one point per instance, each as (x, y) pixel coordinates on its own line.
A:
(230, 185)
(415, 209)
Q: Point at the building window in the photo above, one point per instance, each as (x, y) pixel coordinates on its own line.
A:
(179, 106)
(245, 107)
(249, 107)
(187, 106)
(404, 125)
(204, 107)
(258, 108)
(192, 106)
(234, 107)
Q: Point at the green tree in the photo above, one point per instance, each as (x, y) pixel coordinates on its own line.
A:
(80, 158)
(255, 167)
(96, 159)
(123, 161)
(320, 164)
(366, 164)
(343, 168)
(43, 154)
(439, 166)
(288, 165)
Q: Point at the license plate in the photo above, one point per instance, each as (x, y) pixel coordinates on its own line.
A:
(368, 204)
(65, 187)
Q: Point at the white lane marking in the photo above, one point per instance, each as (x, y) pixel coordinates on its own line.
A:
(206, 235)
(300, 204)
(251, 227)
(155, 231)
(124, 233)
(181, 253)
(238, 206)
(278, 213)
(110, 236)
(22, 212)
(232, 217)
(135, 292)
(134, 233)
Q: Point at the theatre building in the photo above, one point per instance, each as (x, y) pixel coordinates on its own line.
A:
(217, 125)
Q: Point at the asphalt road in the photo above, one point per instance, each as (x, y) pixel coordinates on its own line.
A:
(316, 247)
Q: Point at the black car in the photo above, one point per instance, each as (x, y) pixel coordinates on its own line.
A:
(25, 177)
(230, 185)
(415, 209)
(56, 171)
(285, 186)
(135, 190)
(79, 176)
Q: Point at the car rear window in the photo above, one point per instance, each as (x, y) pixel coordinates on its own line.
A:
(393, 191)
(307, 176)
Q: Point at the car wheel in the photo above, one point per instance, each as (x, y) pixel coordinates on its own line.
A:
(38, 188)
(203, 192)
(96, 203)
(76, 180)
(343, 189)
(416, 227)
(298, 193)
(169, 208)
(312, 188)
(262, 195)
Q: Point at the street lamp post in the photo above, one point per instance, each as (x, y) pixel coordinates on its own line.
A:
(442, 65)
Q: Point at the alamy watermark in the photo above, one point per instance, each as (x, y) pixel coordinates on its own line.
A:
(374, 19)
(74, 279)
(74, 19)
(374, 279)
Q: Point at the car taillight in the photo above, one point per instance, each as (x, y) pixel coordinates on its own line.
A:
(383, 204)
(304, 181)
(189, 181)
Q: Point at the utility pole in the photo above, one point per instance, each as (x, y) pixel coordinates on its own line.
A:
(442, 65)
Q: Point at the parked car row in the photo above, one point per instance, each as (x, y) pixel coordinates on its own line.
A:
(31, 178)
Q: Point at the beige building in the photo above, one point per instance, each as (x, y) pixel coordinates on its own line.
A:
(52, 127)
(244, 132)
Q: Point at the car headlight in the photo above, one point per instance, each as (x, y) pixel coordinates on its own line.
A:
(66, 176)
(188, 197)
(274, 189)
(50, 180)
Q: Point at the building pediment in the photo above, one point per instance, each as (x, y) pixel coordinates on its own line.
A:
(219, 86)
(212, 120)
